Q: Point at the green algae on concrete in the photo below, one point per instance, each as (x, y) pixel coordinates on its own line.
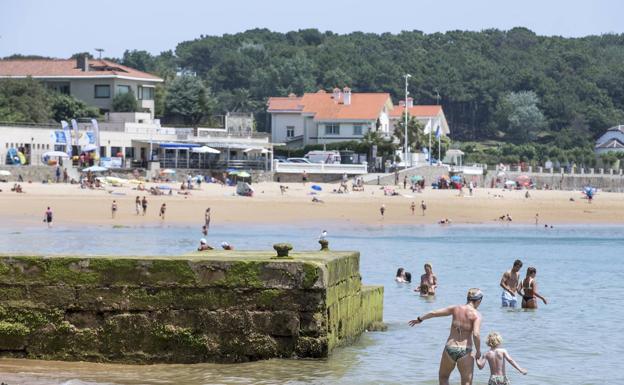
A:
(202, 307)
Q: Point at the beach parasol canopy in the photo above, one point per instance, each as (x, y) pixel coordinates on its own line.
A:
(416, 178)
(316, 187)
(243, 174)
(89, 147)
(510, 183)
(5, 173)
(59, 154)
(233, 172)
(523, 180)
(95, 169)
(456, 178)
(205, 150)
(167, 171)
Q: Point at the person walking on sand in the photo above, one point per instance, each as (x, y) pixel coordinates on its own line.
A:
(405, 182)
(144, 205)
(113, 209)
(423, 207)
(163, 209)
(48, 216)
(58, 174)
(464, 336)
(65, 176)
(510, 282)
(536, 219)
(304, 177)
(529, 290)
(413, 207)
(207, 219)
(137, 205)
(496, 357)
(382, 210)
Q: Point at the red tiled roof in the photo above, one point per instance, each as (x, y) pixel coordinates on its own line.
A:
(289, 103)
(417, 111)
(68, 68)
(363, 106)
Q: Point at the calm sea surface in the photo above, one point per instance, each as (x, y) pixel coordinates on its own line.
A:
(574, 340)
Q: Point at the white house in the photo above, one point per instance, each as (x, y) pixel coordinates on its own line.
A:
(322, 117)
(95, 82)
(431, 116)
(612, 140)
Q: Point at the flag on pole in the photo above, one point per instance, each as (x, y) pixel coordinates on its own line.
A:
(438, 132)
(76, 133)
(96, 129)
(68, 143)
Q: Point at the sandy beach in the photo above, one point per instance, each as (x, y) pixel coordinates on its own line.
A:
(75, 206)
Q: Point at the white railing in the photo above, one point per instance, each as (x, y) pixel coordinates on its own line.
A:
(320, 168)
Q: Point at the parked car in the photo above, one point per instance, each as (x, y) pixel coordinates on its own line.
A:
(327, 157)
(298, 160)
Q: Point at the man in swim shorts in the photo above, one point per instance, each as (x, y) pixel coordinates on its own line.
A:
(509, 282)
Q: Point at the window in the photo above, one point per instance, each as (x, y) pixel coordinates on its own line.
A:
(129, 153)
(290, 131)
(357, 129)
(102, 91)
(332, 129)
(123, 89)
(145, 93)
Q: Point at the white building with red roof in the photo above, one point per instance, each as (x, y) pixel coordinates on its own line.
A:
(431, 116)
(95, 82)
(322, 117)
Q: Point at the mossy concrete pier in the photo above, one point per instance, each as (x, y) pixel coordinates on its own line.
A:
(220, 306)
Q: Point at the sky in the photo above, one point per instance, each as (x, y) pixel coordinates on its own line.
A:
(59, 28)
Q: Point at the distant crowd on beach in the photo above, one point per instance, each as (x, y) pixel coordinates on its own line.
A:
(463, 345)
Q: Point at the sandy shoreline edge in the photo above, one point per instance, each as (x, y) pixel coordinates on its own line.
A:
(73, 206)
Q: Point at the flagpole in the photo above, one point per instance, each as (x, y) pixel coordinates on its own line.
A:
(439, 141)
(430, 128)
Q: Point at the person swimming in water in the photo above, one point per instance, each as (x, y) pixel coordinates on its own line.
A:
(463, 337)
(529, 290)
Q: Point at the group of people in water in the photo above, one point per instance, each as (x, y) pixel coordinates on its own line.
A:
(463, 345)
(428, 281)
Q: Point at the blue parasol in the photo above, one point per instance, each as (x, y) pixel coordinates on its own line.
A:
(316, 187)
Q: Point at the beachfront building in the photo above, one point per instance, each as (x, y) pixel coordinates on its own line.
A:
(611, 141)
(431, 116)
(126, 140)
(321, 117)
(94, 81)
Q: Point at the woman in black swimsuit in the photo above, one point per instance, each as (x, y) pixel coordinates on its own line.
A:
(529, 290)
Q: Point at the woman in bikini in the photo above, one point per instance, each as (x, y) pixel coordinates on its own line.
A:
(529, 290)
(429, 279)
(464, 335)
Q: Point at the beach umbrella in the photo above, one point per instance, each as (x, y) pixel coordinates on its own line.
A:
(316, 187)
(510, 183)
(59, 154)
(456, 178)
(243, 174)
(89, 147)
(233, 172)
(5, 173)
(167, 171)
(523, 180)
(205, 150)
(95, 169)
(416, 178)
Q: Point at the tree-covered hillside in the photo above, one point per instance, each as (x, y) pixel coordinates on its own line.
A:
(579, 83)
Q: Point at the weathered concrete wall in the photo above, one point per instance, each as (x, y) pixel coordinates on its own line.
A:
(219, 307)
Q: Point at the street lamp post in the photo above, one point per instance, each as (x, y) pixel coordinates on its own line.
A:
(407, 76)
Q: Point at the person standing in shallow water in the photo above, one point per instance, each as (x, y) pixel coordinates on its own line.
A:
(207, 220)
(382, 210)
(113, 209)
(464, 336)
(529, 290)
(144, 205)
(510, 282)
(48, 216)
(163, 209)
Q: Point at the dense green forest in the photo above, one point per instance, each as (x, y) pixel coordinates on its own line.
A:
(577, 83)
(495, 86)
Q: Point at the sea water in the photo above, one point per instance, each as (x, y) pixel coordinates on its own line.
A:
(574, 340)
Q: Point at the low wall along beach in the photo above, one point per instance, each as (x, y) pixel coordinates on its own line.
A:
(222, 306)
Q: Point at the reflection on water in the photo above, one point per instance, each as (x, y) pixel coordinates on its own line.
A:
(580, 271)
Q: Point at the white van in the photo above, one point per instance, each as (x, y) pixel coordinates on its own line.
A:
(327, 157)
